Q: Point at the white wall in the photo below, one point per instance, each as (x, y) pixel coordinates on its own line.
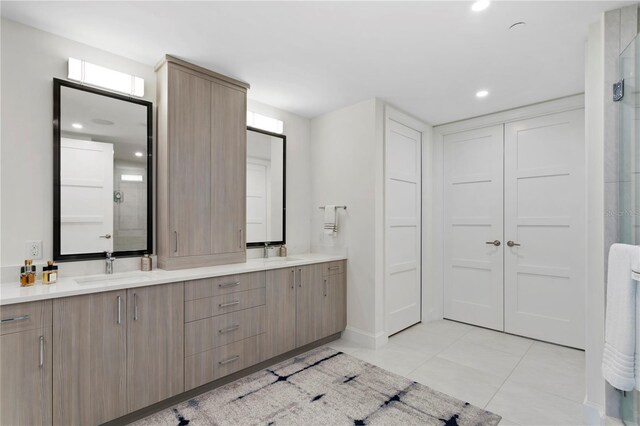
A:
(30, 59)
(298, 132)
(343, 169)
(594, 111)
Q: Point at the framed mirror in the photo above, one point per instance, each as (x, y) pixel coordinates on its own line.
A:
(102, 189)
(266, 187)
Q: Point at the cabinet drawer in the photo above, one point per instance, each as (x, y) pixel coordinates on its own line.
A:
(333, 268)
(25, 316)
(213, 306)
(210, 365)
(210, 333)
(211, 287)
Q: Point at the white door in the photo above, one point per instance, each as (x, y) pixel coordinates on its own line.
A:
(473, 264)
(258, 210)
(86, 196)
(544, 214)
(403, 207)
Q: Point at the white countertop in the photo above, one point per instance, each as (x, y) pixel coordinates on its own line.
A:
(11, 292)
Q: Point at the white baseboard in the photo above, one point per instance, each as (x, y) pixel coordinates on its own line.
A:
(593, 414)
(364, 338)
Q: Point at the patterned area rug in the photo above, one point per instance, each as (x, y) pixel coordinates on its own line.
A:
(323, 387)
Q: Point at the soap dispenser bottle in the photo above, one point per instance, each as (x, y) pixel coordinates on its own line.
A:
(49, 273)
(27, 274)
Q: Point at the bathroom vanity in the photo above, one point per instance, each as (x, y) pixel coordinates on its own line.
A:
(92, 349)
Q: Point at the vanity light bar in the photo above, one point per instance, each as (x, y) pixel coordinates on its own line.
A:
(131, 178)
(95, 75)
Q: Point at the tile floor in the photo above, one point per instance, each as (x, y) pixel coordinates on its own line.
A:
(525, 381)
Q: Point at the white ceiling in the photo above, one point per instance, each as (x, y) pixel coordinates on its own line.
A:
(428, 58)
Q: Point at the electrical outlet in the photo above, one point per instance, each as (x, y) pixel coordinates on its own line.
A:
(33, 249)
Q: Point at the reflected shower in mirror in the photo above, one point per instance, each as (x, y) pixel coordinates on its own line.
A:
(266, 176)
(103, 163)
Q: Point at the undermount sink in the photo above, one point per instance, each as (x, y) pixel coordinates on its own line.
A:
(282, 259)
(113, 279)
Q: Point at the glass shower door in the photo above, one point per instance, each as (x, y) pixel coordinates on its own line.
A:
(629, 182)
(628, 164)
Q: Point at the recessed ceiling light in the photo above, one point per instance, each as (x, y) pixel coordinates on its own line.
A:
(480, 5)
(76, 126)
(481, 93)
(139, 154)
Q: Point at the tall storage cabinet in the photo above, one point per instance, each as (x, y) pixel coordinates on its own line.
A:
(201, 166)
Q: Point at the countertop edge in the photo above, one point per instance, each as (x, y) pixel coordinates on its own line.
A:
(69, 287)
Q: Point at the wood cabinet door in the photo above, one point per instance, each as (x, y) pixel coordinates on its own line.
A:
(228, 169)
(309, 304)
(334, 315)
(25, 377)
(155, 344)
(281, 311)
(89, 358)
(189, 159)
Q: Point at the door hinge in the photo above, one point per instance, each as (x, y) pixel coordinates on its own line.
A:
(618, 91)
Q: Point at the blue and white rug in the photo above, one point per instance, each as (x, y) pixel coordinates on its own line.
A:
(323, 387)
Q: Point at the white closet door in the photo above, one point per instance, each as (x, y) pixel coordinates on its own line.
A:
(403, 198)
(473, 190)
(544, 214)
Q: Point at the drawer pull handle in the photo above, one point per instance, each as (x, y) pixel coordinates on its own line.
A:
(232, 359)
(8, 320)
(334, 268)
(229, 329)
(119, 299)
(226, 305)
(41, 351)
(227, 285)
(135, 307)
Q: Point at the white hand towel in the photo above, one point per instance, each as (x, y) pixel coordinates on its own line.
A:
(636, 267)
(618, 363)
(330, 220)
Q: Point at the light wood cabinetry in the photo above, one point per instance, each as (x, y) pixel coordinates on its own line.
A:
(309, 304)
(220, 330)
(207, 366)
(281, 311)
(334, 314)
(305, 304)
(201, 166)
(25, 364)
(89, 358)
(155, 344)
(189, 164)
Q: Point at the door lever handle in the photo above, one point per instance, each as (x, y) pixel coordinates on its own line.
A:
(495, 243)
(512, 244)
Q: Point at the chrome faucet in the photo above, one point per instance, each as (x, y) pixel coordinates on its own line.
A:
(109, 263)
(265, 253)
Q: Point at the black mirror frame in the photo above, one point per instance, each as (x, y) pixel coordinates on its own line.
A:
(284, 190)
(57, 256)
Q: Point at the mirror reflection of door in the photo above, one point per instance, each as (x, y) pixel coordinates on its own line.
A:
(86, 184)
(258, 199)
(104, 173)
(265, 187)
